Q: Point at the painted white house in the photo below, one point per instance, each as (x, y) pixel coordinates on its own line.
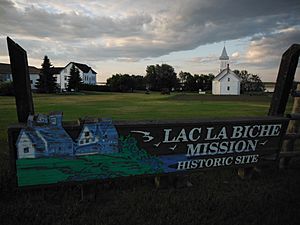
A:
(87, 74)
(6, 76)
(226, 82)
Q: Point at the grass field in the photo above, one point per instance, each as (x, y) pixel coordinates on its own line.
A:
(216, 197)
(138, 106)
(135, 106)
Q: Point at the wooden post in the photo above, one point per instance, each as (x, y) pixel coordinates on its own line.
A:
(293, 128)
(284, 82)
(21, 80)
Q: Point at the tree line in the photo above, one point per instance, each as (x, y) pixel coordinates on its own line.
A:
(158, 78)
(162, 77)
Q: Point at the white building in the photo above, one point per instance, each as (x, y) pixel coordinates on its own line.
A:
(6, 76)
(87, 74)
(226, 82)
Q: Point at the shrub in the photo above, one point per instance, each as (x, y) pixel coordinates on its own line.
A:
(7, 89)
(91, 87)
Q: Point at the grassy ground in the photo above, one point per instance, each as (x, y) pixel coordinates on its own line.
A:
(216, 197)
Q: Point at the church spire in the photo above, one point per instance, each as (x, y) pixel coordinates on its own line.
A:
(224, 58)
(224, 55)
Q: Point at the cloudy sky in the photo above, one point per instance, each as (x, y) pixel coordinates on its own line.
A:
(124, 36)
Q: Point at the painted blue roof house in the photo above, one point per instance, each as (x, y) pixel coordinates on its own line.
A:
(44, 136)
(98, 138)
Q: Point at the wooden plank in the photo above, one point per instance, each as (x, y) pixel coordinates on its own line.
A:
(289, 154)
(294, 115)
(21, 80)
(292, 136)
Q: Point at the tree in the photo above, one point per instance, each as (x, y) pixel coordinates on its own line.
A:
(75, 80)
(160, 77)
(257, 84)
(250, 82)
(46, 82)
(196, 82)
(151, 77)
(139, 82)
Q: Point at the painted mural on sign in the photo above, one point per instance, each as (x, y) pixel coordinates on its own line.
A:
(48, 154)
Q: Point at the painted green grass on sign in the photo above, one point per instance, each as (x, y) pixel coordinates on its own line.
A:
(92, 167)
(129, 161)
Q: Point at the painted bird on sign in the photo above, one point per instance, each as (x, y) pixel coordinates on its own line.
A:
(146, 135)
(173, 148)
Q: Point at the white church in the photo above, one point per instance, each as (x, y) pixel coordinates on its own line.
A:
(226, 82)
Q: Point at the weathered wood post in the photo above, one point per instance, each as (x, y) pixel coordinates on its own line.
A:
(21, 80)
(293, 128)
(284, 82)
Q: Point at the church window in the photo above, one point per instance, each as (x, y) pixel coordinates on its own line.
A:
(228, 88)
(228, 79)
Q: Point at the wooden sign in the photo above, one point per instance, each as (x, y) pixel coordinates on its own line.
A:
(46, 153)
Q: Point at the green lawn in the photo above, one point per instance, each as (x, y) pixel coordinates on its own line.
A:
(138, 106)
(135, 106)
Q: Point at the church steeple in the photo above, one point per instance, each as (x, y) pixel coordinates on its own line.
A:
(224, 59)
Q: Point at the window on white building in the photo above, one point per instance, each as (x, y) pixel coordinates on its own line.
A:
(228, 88)
(26, 150)
(228, 78)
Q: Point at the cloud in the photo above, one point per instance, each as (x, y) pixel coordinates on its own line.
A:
(266, 51)
(203, 60)
(131, 30)
(235, 55)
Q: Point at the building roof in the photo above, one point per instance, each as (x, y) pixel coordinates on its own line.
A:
(100, 128)
(224, 55)
(5, 69)
(34, 138)
(224, 73)
(83, 67)
(55, 70)
(54, 134)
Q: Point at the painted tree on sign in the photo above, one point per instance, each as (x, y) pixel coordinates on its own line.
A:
(47, 82)
(75, 80)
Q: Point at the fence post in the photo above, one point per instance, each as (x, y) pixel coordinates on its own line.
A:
(21, 80)
(284, 82)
